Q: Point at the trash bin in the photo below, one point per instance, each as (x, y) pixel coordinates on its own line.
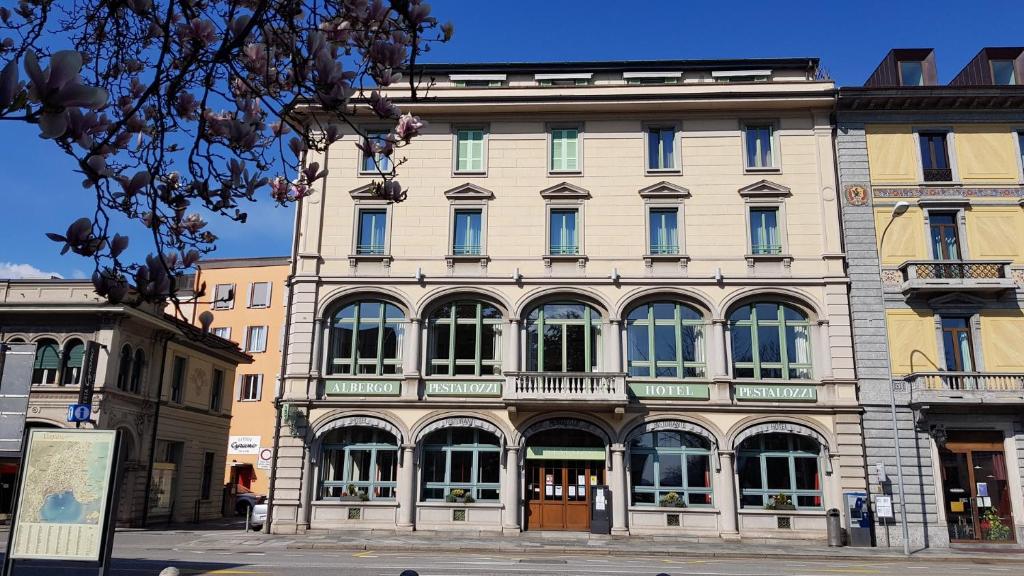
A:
(833, 527)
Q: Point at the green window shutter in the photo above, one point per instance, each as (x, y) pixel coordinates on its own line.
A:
(47, 357)
(75, 355)
(476, 151)
(557, 152)
(463, 159)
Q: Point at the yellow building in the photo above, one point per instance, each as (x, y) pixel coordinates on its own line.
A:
(934, 228)
(246, 297)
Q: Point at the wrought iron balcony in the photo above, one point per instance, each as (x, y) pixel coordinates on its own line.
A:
(938, 175)
(565, 387)
(920, 276)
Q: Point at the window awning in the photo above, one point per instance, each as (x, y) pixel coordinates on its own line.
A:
(565, 453)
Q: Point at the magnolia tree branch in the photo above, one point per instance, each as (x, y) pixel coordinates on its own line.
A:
(178, 109)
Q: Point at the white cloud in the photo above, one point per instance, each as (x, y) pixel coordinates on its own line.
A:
(16, 271)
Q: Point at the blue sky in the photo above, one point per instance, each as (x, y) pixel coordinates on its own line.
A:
(43, 193)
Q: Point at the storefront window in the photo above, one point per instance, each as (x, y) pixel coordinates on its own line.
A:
(770, 340)
(774, 469)
(665, 340)
(366, 339)
(465, 340)
(358, 461)
(461, 459)
(670, 462)
(563, 337)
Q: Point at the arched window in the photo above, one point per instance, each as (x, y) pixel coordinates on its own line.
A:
(465, 339)
(366, 338)
(778, 471)
(461, 459)
(124, 367)
(44, 370)
(665, 340)
(770, 340)
(138, 363)
(563, 337)
(74, 352)
(358, 462)
(669, 462)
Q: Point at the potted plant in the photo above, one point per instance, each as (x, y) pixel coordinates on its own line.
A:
(353, 494)
(992, 525)
(780, 501)
(459, 495)
(672, 500)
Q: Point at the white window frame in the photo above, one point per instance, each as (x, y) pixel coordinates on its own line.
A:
(565, 196)
(776, 166)
(665, 195)
(456, 128)
(223, 304)
(378, 206)
(370, 129)
(252, 290)
(549, 161)
(242, 388)
(227, 332)
(677, 141)
(247, 345)
(950, 151)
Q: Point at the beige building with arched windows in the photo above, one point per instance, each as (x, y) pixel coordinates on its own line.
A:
(622, 274)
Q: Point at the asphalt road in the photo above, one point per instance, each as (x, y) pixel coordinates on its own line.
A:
(138, 562)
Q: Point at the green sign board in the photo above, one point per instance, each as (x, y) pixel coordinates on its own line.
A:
(363, 388)
(670, 390)
(463, 388)
(564, 453)
(775, 393)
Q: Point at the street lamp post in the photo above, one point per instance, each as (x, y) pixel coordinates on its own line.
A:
(897, 210)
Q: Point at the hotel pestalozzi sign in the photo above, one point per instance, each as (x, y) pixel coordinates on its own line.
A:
(775, 393)
(363, 388)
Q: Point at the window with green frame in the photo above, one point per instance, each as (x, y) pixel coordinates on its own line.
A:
(565, 149)
(770, 340)
(461, 458)
(366, 339)
(773, 464)
(465, 340)
(563, 337)
(469, 150)
(563, 231)
(47, 362)
(665, 340)
(764, 231)
(670, 461)
(74, 352)
(358, 457)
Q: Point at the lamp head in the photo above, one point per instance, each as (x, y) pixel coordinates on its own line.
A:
(206, 319)
(900, 207)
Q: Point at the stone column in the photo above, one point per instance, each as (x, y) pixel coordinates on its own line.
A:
(834, 485)
(619, 488)
(510, 496)
(823, 356)
(318, 353)
(716, 351)
(614, 353)
(511, 363)
(407, 487)
(411, 358)
(727, 502)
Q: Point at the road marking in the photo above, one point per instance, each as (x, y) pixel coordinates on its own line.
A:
(367, 554)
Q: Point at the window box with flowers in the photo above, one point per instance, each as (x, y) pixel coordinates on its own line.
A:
(353, 494)
(672, 500)
(780, 502)
(459, 496)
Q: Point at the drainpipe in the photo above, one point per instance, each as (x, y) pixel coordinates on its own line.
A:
(152, 442)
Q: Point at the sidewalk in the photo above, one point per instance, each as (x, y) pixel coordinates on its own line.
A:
(569, 543)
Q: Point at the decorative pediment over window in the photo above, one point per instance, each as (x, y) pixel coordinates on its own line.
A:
(665, 190)
(469, 191)
(565, 191)
(364, 192)
(764, 189)
(956, 301)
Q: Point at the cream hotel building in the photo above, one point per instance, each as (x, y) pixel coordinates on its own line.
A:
(606, 274)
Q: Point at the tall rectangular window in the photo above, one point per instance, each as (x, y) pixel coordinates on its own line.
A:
(911, 73)
(563, 234)
(935, 157)
(372, 232)
(469, 150)
(466, 235)
(178, 380)
(256, 339)
(376, 162)
(664, 231)
(661, 153)
(207, 475)
(251, 387)
(945, 236)
(759, 146)
(223, 296)
(764, 231)
(957, 344)
(259, 295)
(1020, 146)
(216, 390)
(1003, 73)
(565, 148)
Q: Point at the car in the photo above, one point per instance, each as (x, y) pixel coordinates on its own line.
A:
(258, 516)
(246, 499)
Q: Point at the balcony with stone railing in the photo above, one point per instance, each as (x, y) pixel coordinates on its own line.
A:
(593, 390)
(935, 276)
(966, 387)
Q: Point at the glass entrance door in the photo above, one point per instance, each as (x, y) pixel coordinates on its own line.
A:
(558, 493)
(975, 491)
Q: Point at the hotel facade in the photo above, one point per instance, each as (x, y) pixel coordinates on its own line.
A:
(624, 275)
(932, 192)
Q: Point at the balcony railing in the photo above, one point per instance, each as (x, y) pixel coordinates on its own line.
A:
(938, 175)
(984, 381)
(945, 275)
(565, 386)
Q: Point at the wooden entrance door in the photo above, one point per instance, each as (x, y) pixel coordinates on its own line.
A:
(976, 495)
(558, 493)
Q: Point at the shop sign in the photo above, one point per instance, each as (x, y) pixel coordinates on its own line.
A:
(363, 387)
(775, 393)
(463, 388)
(564, 453)
(243, 445)
(659, 390)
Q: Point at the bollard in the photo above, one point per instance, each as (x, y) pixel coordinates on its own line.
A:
(409, 573)
(170, 571)
(248, 517)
